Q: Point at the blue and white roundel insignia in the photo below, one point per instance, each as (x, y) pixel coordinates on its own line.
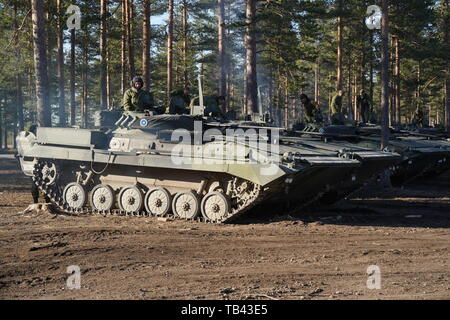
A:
(144, 122)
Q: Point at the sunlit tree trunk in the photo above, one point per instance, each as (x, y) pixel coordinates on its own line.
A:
(251, 86)
(146, 45)
(170, 49)
(103, 56)
(130, 39)
(123, 48)
(72, 78)
(19, 94)
(185, 45)
(221, 47)
(61, 81)
(339, 46)
(40, 63)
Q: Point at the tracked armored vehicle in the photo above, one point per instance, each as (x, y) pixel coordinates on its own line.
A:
(421, 152)
(153, 165)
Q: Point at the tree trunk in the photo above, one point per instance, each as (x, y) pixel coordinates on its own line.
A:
(72, 78)
(61, 81)
(371, 69)
(109, 95)
(317, 82)
(19, 94)
(251, 85)
(221, 47)
(40, 63)
(170, 50)
(385, 76)
(84, 79)
(103, 56)
(130, 40)
(339, 47)
(447, 67)
(123, 48)
(185, 45)
(398, 119)
(146, 45)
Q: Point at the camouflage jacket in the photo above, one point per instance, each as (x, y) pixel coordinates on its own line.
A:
(363, 100)
(179, 103)
(312, 113)
(336, 105)
(137, 100)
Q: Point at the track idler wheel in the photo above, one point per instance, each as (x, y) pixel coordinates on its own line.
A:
(186, 205)
(74, 196)
(215, 206)
(158, 201)
(131, 199)
(102, 198)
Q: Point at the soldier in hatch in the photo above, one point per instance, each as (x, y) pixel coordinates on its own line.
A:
(214, 106)
(336, 109)
(418, 119)
(137, 99)
(179, 101)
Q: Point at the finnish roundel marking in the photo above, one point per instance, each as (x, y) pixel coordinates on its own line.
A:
(144, 123)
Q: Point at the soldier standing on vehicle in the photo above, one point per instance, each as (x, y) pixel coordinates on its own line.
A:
(215, 106)
(418, 119)
(179, 101)
(312, 112)
(137, 99)
(363, 104)
(336, 109)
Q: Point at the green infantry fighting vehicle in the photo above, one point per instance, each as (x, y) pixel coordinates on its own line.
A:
(130, 168)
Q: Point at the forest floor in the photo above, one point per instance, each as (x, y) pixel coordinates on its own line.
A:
(323, 255)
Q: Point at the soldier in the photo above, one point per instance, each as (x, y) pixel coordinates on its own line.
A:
(418, 119)
(363, 104)
(214, 106)
(137, 99)
(179, 101)
(312, 112)
(336, 109)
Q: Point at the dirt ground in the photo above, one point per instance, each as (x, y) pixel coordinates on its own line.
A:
(323, 255)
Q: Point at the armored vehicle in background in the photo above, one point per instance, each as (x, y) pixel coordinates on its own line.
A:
(421, 153)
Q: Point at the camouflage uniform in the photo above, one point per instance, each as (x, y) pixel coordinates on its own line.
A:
(336, 110)
(312, 113)
(418, 119)
(363, 103)
(212, 107)
(179, 102)
(137, 100)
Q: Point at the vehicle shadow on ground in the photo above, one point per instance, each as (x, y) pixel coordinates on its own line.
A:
(379, 212)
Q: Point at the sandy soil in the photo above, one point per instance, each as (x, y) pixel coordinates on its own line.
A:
(322, 255)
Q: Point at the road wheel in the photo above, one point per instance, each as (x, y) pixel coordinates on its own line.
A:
(74, 196)
(215, 206)
(186, 205)
(158, 201)
(102, 198)
(131, 199)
